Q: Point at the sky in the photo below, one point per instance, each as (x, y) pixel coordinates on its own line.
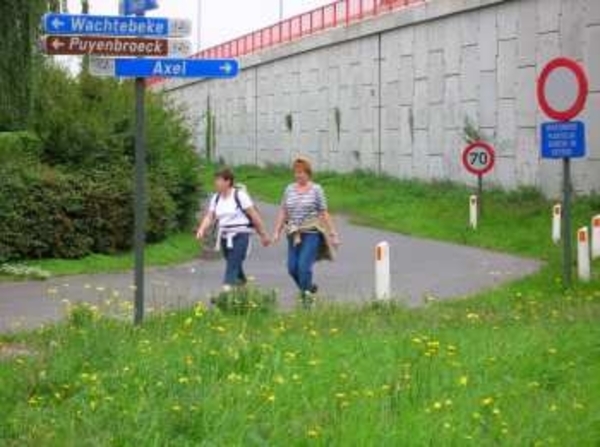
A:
(222, 20)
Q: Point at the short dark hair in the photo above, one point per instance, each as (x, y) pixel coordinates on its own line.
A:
(226, 174)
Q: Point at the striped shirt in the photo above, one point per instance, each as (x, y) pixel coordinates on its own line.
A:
(301, 207)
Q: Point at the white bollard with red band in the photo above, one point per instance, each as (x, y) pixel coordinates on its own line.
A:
(382, 271)
(583, 254)
(473, 211)
(556, 223)
(596, 237)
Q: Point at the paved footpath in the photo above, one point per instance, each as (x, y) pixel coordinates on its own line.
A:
(420, 268)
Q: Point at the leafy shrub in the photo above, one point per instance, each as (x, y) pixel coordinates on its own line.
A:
(245, 300)
(67, 186)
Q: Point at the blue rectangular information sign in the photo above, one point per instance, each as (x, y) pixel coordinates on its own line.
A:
(563, 139)
(131, 7)
(165, 68)
(82, 24)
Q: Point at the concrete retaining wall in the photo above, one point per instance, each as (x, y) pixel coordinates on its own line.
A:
(393, 94)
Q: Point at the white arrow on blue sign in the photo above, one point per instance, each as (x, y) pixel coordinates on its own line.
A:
(131, 7)
(165, 68)
(82, 24)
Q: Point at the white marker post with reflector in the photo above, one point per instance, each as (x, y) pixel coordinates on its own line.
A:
(596, 237)
(382, 271)
(556, 220)
(583, 255)
(473, 211)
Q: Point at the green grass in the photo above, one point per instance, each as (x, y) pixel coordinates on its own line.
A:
(176, 249)
(513, 367)
(516, 222)
(517, 366)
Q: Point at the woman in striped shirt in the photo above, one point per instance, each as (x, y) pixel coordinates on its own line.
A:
(308, 225)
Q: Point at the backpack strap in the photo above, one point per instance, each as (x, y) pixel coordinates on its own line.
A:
(238, 202)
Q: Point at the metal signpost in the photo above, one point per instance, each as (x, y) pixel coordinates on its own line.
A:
(562, 91)
(133, 36)
(479, 159)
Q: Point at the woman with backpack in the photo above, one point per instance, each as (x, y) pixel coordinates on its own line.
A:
(310, 230)
(236, 217)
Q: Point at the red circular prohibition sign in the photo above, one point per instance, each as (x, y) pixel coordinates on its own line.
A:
(490, 162)
(582, 83)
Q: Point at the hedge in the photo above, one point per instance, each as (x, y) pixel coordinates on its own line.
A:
(46, 213)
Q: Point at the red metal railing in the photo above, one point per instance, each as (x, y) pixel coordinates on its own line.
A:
(341, 12)
(338, 13)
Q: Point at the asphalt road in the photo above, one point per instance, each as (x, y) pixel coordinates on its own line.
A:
(420, 268)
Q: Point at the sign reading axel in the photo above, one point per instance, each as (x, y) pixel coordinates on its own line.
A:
(563, 139)
(115, 25)
(115, 46)
(166, 68)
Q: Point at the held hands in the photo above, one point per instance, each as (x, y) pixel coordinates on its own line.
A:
(335, 240)
(265, 240)
(201, 233)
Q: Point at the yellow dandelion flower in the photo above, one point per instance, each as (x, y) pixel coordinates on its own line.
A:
(271, 398)
(312, 433)
(496, 411)
(437, 405)
(463, 380)
(486, 402)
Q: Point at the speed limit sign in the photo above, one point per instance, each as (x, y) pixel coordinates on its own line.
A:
(478, 158)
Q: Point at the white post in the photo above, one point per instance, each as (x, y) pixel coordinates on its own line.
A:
(382, 271)
(556, 221)
(473, 211)
(596, 237)
(583, 254)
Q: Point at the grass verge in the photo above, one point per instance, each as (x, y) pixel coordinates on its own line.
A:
(516, 222)
(176, 249)
(490, 371)
(518, 365)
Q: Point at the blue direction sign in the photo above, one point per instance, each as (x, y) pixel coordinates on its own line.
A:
(165, 68)
(82, 24)
(563, 139)
(130, 7)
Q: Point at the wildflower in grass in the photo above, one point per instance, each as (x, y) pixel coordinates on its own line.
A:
(188, 322)
(183, 380)
(437, 406)
(278, 379)
(334, 331)
(487, 401)
(176, 408)
(312, 433)
(313, 362)
(296, 377)
(271, 398)
(472, 316)
(463, 380)
(447, 425)
(417, 340)
(552, 351)
(340, 395)
(553, 408)
(496, 411)
(199, 310)
(313, 333)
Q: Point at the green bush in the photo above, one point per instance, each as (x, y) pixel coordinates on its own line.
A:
(67, 185)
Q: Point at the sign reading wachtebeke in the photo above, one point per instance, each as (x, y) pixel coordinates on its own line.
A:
(115, 25)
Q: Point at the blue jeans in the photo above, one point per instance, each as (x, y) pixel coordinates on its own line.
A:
(301, 259)
(234, 259)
